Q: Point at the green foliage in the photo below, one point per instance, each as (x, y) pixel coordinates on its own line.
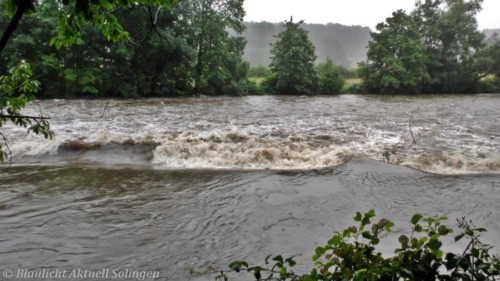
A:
(252, 89)
(352, 255)
(356, 88)
(74, 14)
(436, 49)
(269, 84)
(453, 44)
(348, 73)
(167, 63)
(293, 61)
(17, 90)
(218, 66)
(489, 86)
(331, 80)
(396, 58)
(259, 71)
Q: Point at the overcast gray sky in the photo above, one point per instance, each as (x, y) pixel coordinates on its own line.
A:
(348, 12)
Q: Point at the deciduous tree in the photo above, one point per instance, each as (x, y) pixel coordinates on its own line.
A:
(396, 62)
(293, 60)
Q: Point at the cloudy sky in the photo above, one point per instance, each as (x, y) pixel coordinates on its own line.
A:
(348, 12)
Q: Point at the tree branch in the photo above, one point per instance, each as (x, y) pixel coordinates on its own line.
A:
(105, 107)
(9, 152)
(409, 126)
(137, 51)
(19, 86)
(24, 117)
(21, 9)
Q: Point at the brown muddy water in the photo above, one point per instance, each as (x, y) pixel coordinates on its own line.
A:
(170, 184)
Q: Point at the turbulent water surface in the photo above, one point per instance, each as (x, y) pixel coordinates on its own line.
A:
(171, 184)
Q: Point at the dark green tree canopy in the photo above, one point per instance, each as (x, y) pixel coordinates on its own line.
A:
(169, 52)
(74, 14)
(396, 61)
(293, 61)
(436, 49)
(453, 43)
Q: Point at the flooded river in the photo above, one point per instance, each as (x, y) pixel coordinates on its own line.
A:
(171, 184)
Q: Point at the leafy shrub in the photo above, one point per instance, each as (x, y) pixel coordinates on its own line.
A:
(348, 73)
(353, 89)
(252, 89)
(269, 84)
(352, 255)
(259, 71)
(17, 89)
(330, 78)
(489, 86)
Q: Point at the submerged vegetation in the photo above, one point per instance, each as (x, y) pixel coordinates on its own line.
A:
(352, 255)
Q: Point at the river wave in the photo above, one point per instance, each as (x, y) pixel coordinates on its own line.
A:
(453, 135)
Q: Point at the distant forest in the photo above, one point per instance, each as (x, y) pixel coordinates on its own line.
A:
(345, 45)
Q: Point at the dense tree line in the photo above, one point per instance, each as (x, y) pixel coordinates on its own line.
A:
(188, 50)
(199, 47)
(437, 48)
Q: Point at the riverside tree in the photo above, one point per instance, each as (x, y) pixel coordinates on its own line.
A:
(17, 88)
(218, 66)
(436, 49)
(396, 59)
(293, 61)
(454, 45)
(195, 47)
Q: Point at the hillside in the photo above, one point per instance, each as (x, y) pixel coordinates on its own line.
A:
(345, 45)
(489, 32)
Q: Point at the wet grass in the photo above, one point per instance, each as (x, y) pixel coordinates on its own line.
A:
(352, 81)
(257, 80)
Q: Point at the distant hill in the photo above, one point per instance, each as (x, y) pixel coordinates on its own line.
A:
(489, 32)
(492, 36)
(345, 45)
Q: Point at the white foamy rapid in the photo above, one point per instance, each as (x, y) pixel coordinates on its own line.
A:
(454, 134)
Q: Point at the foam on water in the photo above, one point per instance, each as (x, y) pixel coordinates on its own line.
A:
(272, 133)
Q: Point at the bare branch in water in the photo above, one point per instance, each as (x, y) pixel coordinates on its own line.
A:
(410, 122)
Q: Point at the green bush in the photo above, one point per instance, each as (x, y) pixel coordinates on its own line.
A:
(349, 73)
(259, 71)
(352, 255)
(330, 78)
(353, 89)
(252, 89)
(269, 84)
(489, 86)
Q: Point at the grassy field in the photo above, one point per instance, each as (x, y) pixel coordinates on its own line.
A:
(353, 81)
(257, 80)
